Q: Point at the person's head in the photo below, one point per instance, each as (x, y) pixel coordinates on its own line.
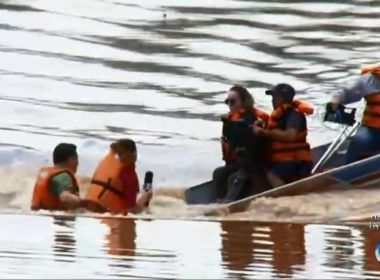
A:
(281, 94)
(239, 98)
(126, 150)
(65, 155)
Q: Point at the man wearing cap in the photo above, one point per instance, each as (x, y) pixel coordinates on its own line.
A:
(56, 187)
(287, 129)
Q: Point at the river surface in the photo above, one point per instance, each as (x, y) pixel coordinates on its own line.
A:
(70, 247)
(89, 72)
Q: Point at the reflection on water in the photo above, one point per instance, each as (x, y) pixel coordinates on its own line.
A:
(126, 248)
(235, 255)
(121, 236)
(278, 248)
(64, 241)
(288, 248)
(343, 252)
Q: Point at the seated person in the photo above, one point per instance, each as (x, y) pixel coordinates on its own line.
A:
(241, 150)
(56, 187)
(291, 157)
(366, 141)
(115, 184)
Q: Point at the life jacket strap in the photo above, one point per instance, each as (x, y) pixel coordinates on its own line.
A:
(106, 187)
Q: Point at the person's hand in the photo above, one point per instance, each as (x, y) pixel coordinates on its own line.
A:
(148, 194)
(335, 102)
(145, 198)
(257, 130)
(92, 206)
(259, 123)
(224, 118)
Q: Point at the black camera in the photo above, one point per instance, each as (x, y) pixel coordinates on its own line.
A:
(237, 133)
(341, 114)
(244, 142)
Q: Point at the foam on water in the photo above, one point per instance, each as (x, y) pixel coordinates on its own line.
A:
(17, 188)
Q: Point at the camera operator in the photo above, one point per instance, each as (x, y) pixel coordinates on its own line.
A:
(244, 153)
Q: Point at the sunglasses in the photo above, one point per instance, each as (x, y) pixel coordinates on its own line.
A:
(230, 101)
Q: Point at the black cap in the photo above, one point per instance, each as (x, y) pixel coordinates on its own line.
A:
(282, 89)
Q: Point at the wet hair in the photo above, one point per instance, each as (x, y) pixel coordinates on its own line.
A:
(127, 144)
(244, 95)
(63, 151)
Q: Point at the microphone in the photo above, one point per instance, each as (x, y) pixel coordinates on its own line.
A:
(148, 181)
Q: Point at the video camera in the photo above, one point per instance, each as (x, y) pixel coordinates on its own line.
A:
(237, 133)
(340, 114)
(245, 143)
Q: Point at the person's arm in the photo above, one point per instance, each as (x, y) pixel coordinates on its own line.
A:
(356, 90)
(141, 202)
(293, 125)
(131, 188)
(350, 93)
(262, 116)
(71, 201)
(60, 185)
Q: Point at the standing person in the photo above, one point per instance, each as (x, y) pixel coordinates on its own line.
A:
(366, 141)
(115, 184)
(56, 187)
(239, 148)
(287, 129)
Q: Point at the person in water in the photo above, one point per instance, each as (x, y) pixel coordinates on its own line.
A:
(56, 187)
(115, 184)
(291, 157)
(366, 141)
(241, 151)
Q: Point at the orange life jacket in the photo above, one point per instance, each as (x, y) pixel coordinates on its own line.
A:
(299, 149)
(227, 151)
(303, 107)
(43, 198)
(371, 115)
(261, 114)
(106, 188)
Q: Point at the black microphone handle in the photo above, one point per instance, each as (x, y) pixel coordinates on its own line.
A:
(148, 180)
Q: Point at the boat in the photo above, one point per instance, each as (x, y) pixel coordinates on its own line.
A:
(334, 175)
(204, 193)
